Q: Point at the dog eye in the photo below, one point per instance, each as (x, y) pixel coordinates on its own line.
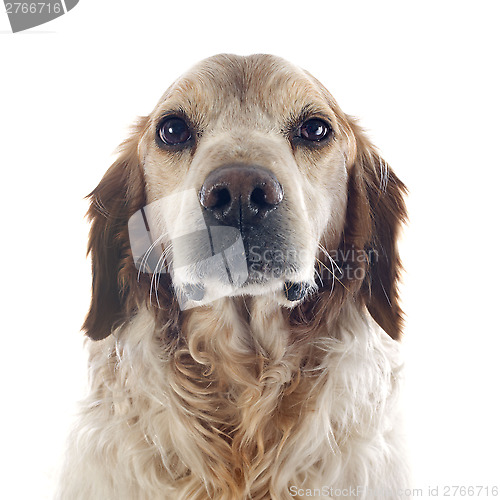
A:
(314, 130)
(174, 131)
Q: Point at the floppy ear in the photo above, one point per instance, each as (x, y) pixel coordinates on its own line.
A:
(119, 194)
(375, 213)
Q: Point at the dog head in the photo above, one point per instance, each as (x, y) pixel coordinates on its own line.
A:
(246, 179)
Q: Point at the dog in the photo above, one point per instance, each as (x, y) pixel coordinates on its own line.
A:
(244, 322)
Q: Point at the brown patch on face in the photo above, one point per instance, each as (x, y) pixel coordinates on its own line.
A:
(366, 263)
(117, 289)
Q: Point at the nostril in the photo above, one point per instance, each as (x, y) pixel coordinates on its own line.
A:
(222, 197)
(215, 197)
(258, 197)
(267, 195)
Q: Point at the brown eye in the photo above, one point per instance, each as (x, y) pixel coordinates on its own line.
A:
(314, 130)
(174, 131)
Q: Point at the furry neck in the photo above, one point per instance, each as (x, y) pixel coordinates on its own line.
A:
(236, 405)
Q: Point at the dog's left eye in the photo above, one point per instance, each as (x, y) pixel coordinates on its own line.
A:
(174, 131)
(314, 130)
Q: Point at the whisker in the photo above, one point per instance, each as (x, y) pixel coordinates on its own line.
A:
(327, 268)
(149, 251)
(155, 281)
(100, 207)
(317, 273)
(330, 258)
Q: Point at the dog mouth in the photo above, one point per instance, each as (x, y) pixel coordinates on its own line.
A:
(207, 261)
(293, 291)
(222, 261)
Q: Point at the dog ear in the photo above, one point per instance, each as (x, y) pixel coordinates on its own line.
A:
(119, 194)
(375, 228)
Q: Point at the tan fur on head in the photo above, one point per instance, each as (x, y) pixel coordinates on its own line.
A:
(250, 395)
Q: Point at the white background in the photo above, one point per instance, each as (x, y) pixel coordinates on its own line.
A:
(422, 77)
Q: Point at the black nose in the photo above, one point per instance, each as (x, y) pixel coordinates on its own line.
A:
(240, 194)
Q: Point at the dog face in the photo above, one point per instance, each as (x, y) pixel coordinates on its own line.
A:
(259, 145)
(254, 154)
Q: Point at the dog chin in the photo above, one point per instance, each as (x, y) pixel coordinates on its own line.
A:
(287, 292)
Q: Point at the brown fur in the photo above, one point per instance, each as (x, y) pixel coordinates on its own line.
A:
(374, 215)
(244, 379)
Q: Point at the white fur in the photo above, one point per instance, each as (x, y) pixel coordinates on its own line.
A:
(237, 401)
(134, 441)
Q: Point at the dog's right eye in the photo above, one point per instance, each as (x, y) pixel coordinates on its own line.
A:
(314, 130)
(173, 131)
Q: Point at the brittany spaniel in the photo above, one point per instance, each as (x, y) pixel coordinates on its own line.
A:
(244, 323)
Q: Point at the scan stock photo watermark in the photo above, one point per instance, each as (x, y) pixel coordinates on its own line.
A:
(429, 491)
(26, 15)
(207, 262)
